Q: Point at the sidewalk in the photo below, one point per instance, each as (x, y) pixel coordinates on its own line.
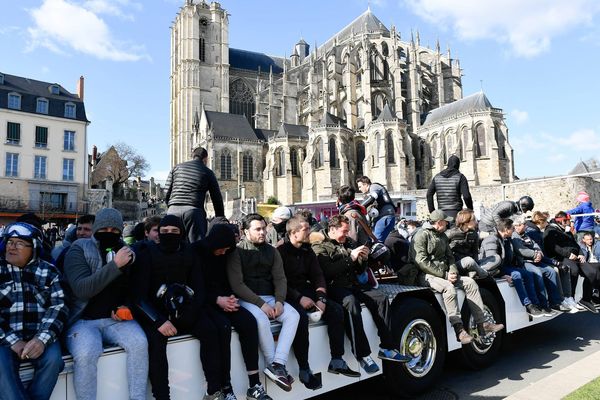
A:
(563, 382)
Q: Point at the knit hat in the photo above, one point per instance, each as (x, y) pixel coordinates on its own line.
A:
(281, 214)
(220, 236)
(583, 197)
(108, 218)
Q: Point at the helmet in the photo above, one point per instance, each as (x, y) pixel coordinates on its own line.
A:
(373, 213)
(526, 203)
(380, 253)
(175, 296)
(23, 230)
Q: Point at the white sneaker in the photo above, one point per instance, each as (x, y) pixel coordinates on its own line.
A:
(575, 304)
(567, 304)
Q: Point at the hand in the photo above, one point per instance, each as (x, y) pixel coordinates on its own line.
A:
(228, 304)
(114, 316)
(321, 305)
(538, 257)
(359, 253)
(123, 256)
(267, 309)
(33, 349)
(572, 257)
(278, 309)
(18, 347)
(306, 302)
(508, 279)
(168, 329)
(452, 277)
(581, 258)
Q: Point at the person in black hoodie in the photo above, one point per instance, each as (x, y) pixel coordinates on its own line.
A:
(220, 299)
(168, 297)
(450, 185)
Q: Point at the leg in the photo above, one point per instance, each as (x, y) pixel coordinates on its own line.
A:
(10, 382)
(448, 292)
(158, 365)
(334, 317)
(196, 218)
(377, 303)
(47, 367)
(354, 326)
(224, 346)
(245, 325)
(84, 342)
(471, 268)
(301, 343)
(538, 284)
(473, 297)
(265, 337)
(551, 281)
(383, 227)
(289, 320)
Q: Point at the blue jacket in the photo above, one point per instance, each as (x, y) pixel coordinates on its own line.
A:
(583, 223)
(595, 250)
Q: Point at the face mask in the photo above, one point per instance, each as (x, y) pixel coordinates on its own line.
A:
(280, 227)
(108, 240)
(169, 242)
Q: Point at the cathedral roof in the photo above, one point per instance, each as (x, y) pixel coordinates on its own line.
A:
(230, 126)
(330, 119)
(473, 103)
(386, 114)
(367, 22)
(291, 130)
(252, 61)
(264, 134)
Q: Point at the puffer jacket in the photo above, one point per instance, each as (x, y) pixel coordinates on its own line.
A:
(583, 224)
(463, 244)
(491, 216)
(450, 185)
(430, 251)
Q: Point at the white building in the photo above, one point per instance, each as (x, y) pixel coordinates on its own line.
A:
(43, 149)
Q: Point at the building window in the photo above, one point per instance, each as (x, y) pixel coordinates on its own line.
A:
(319, 153)
(41, 137)
(54, 89)
(295, 162)
(481, 148)
(241, 100)
(13, 133)
(68, 169)
(39, 167)
(465, 143)
(14, 101)
(202, 50)
(41, 106)
(225, 165)
(333, 159)
(279, 162)
(391, 154)
(434, 150)
(53, 201)
(500, 141)
(70, 110)
(360, 157)
(247, 168)
(69, 141)
(12, 164)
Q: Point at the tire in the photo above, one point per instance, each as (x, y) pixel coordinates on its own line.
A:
(478, 355)
(417, 329)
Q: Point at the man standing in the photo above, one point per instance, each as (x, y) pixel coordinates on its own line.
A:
(32, 314)
(450, 185)
(384, 222)
(187, 185)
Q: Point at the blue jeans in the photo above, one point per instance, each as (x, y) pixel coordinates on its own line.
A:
(550, 279)
(523, 283)
(84, 341)
(383, 227)
(47, 367)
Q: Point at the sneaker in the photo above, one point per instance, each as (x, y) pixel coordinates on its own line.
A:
(533, 311)
(548, 312)
(257, 392)
(340, 367)
(562, 307)
(464, 337)
(588, 305)
(393, 355)
(369, 365)
(310, 380)
(596, 301)
(277, 373)
(215, 396)
(490, 327)
(229, 396)
(575, 304)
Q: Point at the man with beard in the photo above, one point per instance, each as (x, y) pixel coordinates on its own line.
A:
(450, 185)
(168, 294)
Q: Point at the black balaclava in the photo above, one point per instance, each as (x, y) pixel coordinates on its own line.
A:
(170, 242)
(453, 166)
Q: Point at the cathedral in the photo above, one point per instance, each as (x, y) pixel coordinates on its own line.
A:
(365, 102)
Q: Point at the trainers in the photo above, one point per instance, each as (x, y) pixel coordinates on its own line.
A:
(277, 373)
(490, 327)
(562, 307)
(533, 311)
(575, 304)
(368, 365)
(229, 396)
(215, 396)
(588, 305)
(548, 312)
(310, 380)
(257, 392)
(339, 366)
(393, 355)
(464, 337)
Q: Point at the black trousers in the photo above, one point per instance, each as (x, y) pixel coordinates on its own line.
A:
(245, 325)
(590, 273)
(214, 333)
(377, 303)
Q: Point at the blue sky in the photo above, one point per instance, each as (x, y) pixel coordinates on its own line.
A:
(537, 60)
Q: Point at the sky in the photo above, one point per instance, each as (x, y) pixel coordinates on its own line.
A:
(536, 59)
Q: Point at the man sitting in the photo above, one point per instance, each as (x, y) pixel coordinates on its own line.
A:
(504, 209)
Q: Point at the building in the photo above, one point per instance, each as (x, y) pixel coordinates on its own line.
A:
(364, 102)
(43, 151)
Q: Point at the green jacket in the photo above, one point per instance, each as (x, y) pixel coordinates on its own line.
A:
(335, 260)
(430, 251)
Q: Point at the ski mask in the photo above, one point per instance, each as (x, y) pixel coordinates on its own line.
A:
(170, 242)
(108, 240)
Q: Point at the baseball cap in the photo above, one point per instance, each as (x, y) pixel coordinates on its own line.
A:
(438, 215)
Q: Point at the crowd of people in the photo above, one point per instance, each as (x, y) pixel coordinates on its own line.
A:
(136, 286)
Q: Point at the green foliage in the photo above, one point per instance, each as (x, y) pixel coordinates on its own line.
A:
(272, 200)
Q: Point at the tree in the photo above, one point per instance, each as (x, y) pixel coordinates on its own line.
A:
(119, 163)
(135, 163)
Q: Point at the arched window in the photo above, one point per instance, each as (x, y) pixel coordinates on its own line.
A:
(318, 159)
(241, 100)
(501, 141)
(333, 159)
(434, 150)
(225, 165)
(360, 157)
(247, 167)
(202, 50)
(377, 103)
(481, 142)
(384, 49)
(279, 162)
(391, 156)
(465, 143)
(295, 161)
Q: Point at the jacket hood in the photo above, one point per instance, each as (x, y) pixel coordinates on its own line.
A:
(220, 236)
(452, 168)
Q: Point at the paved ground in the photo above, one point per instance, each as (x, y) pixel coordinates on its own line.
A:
(528, 356)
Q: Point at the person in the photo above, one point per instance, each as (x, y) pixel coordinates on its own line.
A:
(534, 227)
(312, 221)
(431, 252)
(170, 266)
(151, 233)
(100, 288)
(397, 242)
(449, 186)
(306, 291)
(504, 209)
(128, 235)
(82, 230)
(276, 227)
(354, 211)
(560, 244)
(213, 250)
(376, 193)
(583, 224)
(33, 314)
(187, 185)
(34, 220)
(257, 278)
(590, 249)
(342, 259)
(412, 227)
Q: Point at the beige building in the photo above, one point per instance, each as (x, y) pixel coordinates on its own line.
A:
(43, 149)
(364, 102)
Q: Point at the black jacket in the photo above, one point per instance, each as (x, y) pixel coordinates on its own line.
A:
(559, 244)
(450, 185)
(188, 183)
(302, 269)
(398, 246)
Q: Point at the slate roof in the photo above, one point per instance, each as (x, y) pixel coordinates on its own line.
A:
(251, 61)
(473, 103)
(330, 119)
(291, 130)
(364, 23)
(31, 89)
(264, 134)
(230, 126)
(583, 167)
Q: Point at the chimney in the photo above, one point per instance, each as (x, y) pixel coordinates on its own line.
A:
(80, 88)
(94, 154)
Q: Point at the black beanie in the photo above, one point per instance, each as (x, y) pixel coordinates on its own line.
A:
(220, 236)
(172, 220)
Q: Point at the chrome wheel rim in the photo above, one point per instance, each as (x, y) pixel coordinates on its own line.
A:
(482, 345)
(418, 342)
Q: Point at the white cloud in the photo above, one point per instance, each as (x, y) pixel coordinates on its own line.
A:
(61, 25)
(112, 7)
(527, 26)
(519, 116)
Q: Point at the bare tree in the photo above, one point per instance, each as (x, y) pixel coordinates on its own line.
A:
(120, 163)
(135, 163)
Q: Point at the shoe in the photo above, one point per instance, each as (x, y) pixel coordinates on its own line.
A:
(310, 380)
(277, 373)
(571, 303)
(368, 365)
(393, 355)
(257, 392)
(490, 327)
(533, 311)
(229, 396)
(464, 337)
(596, 301)
(575, 304)
(588, 305)
(340, 367)
(548, 312)
(562, 307)
(215, 396)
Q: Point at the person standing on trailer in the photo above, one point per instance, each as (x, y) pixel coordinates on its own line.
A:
(386, 212)
(451, 188)
(504, 209)
(585, 223)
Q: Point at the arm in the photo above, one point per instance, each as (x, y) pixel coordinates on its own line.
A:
(430, 192)
(169, 186)
(521, 249)
(333, 265)
(215, 196)
(316, 273)
(279, 280)
(423, 260)
(55, 317)
(140, 276)
(236, 280)
(451, 260)
(465, 192)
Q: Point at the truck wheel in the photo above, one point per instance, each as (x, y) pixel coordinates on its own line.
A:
(418, 329)
(482, 353)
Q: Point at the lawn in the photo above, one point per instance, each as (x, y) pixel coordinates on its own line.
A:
(591, 391)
